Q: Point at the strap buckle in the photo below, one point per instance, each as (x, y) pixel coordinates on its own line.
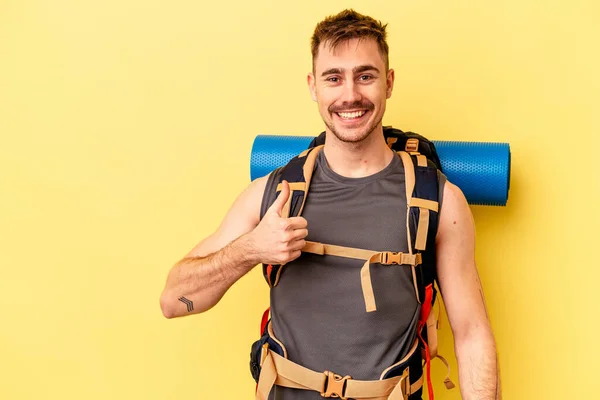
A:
(335, 385)
(391, 257)
(412, 145)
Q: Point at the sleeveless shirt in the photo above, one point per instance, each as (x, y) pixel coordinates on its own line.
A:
(317, 308)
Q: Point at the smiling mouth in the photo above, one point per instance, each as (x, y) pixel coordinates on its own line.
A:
(351, 116)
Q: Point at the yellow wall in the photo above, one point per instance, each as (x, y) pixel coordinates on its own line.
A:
(126, 133)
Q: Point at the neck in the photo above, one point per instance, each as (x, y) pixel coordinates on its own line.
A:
(358, 160)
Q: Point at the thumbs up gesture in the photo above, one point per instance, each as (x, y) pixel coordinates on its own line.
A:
(276, 239)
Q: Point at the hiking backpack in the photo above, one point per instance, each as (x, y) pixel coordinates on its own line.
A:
(421, 165)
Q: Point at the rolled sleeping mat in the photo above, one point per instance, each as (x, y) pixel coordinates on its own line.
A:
(480, 169)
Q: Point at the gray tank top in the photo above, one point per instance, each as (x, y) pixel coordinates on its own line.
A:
(317, 308)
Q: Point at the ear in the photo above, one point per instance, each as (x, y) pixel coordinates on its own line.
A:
(390, 83)
(311, 85)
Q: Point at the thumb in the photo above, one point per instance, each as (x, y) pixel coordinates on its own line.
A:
(280, 201)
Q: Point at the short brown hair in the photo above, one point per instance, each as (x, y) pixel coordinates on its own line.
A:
(347, 25)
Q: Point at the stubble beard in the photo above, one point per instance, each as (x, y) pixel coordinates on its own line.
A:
(353, 139)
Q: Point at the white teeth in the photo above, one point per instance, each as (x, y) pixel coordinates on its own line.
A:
(352, 115)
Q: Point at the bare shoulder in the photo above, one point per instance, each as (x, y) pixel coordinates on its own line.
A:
(455, 214)
(242, 217)
(457, 273)
(247, 204)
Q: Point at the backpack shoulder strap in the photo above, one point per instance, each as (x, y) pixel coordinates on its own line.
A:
(422, 199)
(298, 173)
(422, 212)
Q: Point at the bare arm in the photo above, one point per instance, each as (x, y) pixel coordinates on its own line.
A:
(198, 281)
(464, 300)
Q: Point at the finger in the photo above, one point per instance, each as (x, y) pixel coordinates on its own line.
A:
(295, 255)
(281, 199)
(298, 222)
(299, 234)
(297, 245)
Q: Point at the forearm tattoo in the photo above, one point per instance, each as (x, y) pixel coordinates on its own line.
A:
(188, 303)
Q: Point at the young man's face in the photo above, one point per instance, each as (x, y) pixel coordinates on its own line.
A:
(351, 86)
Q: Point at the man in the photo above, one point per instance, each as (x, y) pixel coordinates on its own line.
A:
(355, 200)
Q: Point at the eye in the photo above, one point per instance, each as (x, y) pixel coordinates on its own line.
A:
(333, 79)
(365, 78)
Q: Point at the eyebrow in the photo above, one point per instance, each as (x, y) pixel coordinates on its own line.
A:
(356, 70)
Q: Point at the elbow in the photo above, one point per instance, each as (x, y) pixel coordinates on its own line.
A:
(480, 334)
(166, 307)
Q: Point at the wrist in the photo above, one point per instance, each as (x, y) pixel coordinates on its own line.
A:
(249, 250)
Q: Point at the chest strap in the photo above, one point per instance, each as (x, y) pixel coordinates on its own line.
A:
(370, 256)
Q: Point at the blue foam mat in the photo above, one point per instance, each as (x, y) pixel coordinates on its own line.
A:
(481, 170)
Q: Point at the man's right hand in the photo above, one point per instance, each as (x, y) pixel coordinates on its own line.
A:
(276, 239)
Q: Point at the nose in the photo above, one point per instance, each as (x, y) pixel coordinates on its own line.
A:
(350, 93)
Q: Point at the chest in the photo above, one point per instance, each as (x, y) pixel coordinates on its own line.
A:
(369, 216)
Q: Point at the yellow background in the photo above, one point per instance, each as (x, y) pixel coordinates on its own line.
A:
(126, 134)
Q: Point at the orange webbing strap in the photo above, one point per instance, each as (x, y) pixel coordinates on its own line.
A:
(385, 259)
(423, 204)
(307, 170)
(447, 381)
(277, 370)
(309, 166)
(409, 178)
(294, 186)
(264, 320)
(422, 229)
(432, 342)
(269, 270)
(428, 319)
(427, 368)
(277, 275)
(341, 251)
(268, 376)
(425, 312)
(370, 256)
(304, 153)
